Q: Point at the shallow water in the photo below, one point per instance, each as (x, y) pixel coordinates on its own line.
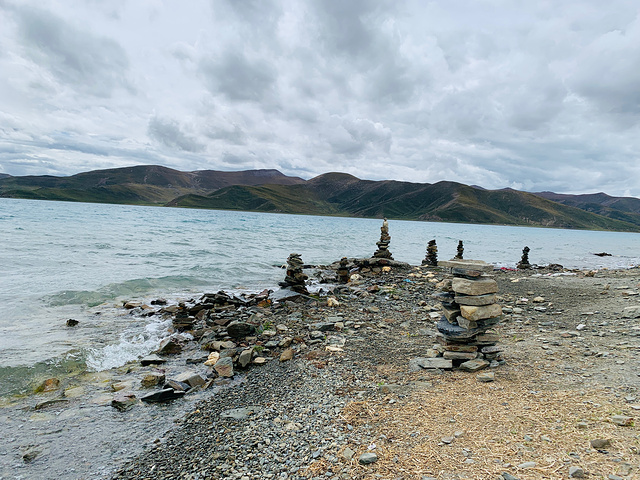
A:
(72, 260)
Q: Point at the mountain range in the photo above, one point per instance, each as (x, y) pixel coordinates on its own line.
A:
(337, 194)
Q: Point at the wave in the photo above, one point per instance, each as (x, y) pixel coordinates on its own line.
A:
(130, 288)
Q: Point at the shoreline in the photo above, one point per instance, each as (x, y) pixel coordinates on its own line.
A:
(321, 390)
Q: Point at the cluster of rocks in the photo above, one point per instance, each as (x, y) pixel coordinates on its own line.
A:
(383, 244)
(524, 264)
(459, 251)
(469, 311)
(431, 259)
(295, 278)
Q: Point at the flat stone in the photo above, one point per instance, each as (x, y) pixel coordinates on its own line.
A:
(508, 476)
(486, 377)
(474, 365)
(481, 286)
(152, 379)
(224, 367)
(123, 401)
(576, 472)
(527, 465)
(466, 323)
(152, 359)
(476, 300)
(599, 443)
(178, 386)
(430, 363)
(475, 313)
(367, 458)
(466, 264)
(191, 378)
(459, 355)
(622, 420)
(348, 454)
(164, 395)
(461, 348)
(631, 312)
(287, 355)
(448, 330)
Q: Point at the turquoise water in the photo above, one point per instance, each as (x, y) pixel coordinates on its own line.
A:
(72, 260)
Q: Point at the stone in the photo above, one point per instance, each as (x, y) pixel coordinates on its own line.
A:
(295, 278)
(508, 476)
(622, 420)
(30, 454)
(152, 379)
(476, 300)
(224, 367)
(430, 363)
(191, 378)
(240, 329)
(152, 360)
(576, 472)
(459, 355)
(367, 458)
(245, 357)
(123, 401)
(287, 355)
(72, 323)
(474, 365)
(524, 264)
(474, 287)
(599, 443)
(347, 454)
(49, 385)
(475, 313)
(242, 413)
(466, 323)
(486, 377)
(164, 395)
(461, 348)
(631, 312)
(451, 313)
(170, 346)
(431, 258)
(212, 359)
(527, 465)
(177, 386)
(467, 264)
(383, 244)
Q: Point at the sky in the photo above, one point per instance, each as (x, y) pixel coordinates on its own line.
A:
(536, 96)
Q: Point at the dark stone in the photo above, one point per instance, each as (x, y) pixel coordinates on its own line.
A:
(176, 385)
(170, 346)
(164, 395)
(524, 264)
(72, 323)
(431, 258)
(450, 330)
(152, 360)
(240, 329)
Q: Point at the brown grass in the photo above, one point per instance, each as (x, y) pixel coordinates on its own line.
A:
(500, 426)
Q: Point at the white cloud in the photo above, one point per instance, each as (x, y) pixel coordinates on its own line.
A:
(494, 93)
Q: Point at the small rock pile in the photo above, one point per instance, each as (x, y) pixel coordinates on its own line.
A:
(343, 270)
(383, 244)
(470, 309)
(524, 264)
(459, 251)
(295, 279)
(431, 258)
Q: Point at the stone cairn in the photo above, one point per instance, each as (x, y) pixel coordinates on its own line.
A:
(460, 251)
(343, 270)
(295, 278)
(523, 264)
(383, 244)
(470, 309)
(432, 254)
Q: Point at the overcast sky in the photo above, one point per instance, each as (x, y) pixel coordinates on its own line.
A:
(533, 95)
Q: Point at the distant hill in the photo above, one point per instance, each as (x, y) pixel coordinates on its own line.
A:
(333, 193)
(626, 209)
(4, 175)
(145, 184)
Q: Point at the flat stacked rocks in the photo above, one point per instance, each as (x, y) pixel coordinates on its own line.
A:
(383, 244)
(295, 278)
(432, 254)
(470, 309)
(343, 270)
(459, 251)
(524, 264)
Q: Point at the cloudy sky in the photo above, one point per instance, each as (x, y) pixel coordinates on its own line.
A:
(499, 93)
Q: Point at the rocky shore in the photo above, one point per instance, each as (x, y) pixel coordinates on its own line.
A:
(285, 385)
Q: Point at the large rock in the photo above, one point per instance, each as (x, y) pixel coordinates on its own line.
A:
(474, 313)
(240, 329)
(466, 265)
(474, 287)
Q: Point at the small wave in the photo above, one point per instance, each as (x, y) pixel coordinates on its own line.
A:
(129, 288)
(132, 345)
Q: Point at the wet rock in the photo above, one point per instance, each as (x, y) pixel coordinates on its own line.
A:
(152, 379)
(171, 346)
(164, 395)
(72, 323)
(49, 385)
(123, 401)
(152, 360)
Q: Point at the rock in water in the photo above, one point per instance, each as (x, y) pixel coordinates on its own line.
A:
(123, 401)
(164, 395)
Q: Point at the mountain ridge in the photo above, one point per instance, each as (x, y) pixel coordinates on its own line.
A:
(332, 193)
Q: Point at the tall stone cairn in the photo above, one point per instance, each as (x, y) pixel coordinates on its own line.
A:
(383, 244)
(524, 264)
(432, 254)
(343, 271)
(460, 251)
(295, 278)
(470, 310)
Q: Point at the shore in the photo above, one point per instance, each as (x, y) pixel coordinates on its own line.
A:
(569, 368)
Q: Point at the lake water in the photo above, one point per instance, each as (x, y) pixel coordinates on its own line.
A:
(72, 260)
